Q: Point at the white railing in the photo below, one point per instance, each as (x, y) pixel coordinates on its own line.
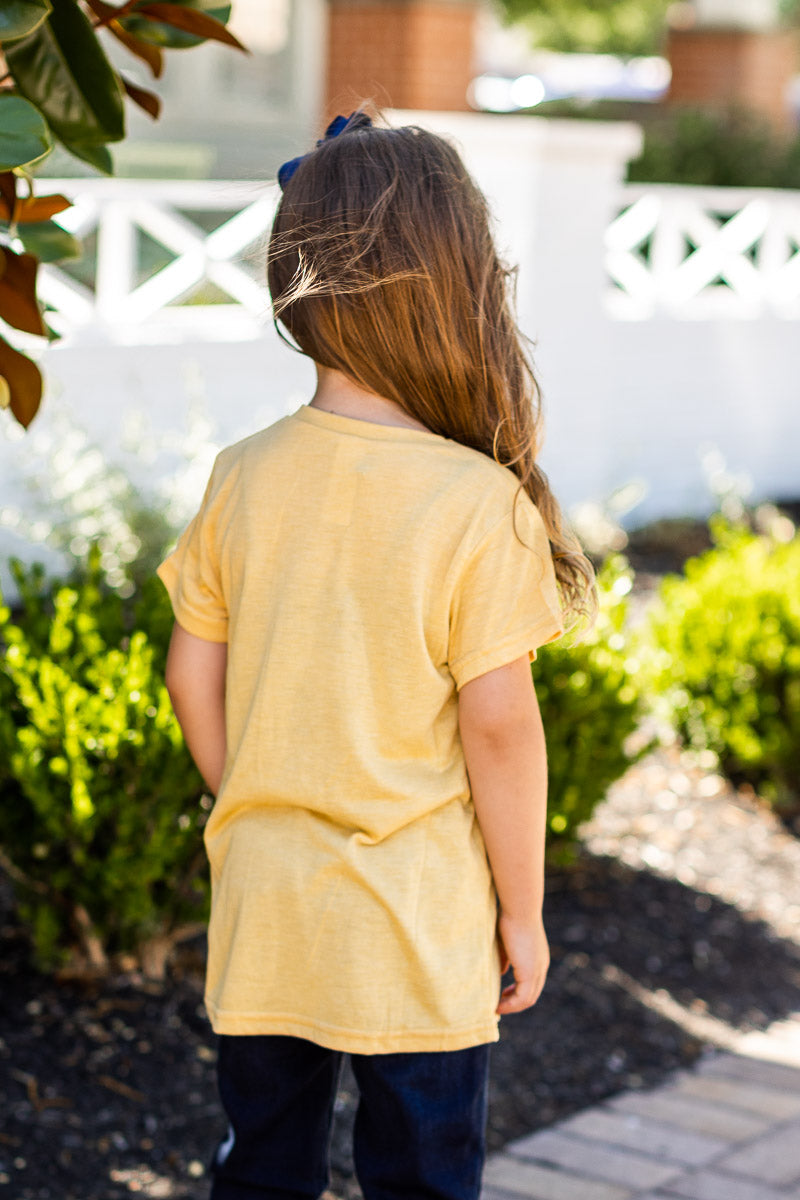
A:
(695, 252)
(161, 248)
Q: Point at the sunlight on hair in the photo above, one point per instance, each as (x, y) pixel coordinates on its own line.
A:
(382, 266)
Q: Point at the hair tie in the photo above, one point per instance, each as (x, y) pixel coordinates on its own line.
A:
(337, 126)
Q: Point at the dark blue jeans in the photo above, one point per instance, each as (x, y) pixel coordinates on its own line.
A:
(419, 1131)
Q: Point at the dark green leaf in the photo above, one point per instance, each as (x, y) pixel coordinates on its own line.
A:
(61, 68)
(96, 156)
(18, 18)
(24, 135)
(199, 24)
(49, 242)
(161, 34)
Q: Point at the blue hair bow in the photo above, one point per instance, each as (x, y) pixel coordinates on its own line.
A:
(337, 125)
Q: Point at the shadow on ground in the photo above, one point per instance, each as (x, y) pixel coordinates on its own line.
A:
(109, 1090)
(588, 1036)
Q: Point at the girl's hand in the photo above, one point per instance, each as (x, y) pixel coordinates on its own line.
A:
(523, 946)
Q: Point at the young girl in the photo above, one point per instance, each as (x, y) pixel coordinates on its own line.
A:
(357, 605)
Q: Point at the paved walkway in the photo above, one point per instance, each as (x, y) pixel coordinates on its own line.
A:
(728, 1129)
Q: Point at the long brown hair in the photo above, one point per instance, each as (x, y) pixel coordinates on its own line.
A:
(382, 265)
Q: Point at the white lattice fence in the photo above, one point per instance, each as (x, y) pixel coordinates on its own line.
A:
(167, 257)
(691, 252)
(161, 257)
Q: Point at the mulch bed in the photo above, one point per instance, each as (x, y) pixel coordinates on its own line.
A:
(108, 1089)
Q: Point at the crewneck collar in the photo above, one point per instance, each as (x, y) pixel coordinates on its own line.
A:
(360, 427)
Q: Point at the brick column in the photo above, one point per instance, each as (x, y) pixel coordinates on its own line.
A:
(725, 68)
(401, 53)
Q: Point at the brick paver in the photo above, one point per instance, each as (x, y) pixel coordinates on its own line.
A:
(662, 1141)
(753, 1070)
(714, 1185)
(728, 1129)
(702, 1116)
(584, 1156)
(543, 1183)
(736, 1093)
(774, 1158)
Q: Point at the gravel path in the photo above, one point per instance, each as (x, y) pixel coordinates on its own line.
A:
(684, 822)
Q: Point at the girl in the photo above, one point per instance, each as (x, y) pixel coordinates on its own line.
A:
(357, 605)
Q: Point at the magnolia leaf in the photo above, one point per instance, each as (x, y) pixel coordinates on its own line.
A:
(162, 28)
(24, 382)
(108, 17)
(8, 192)
(49, 242)
(18, 304)
(41, 208)
(143, 50)
(18, 18)
(106, 13)
(61, 68)
(24, 135)
(149, 101)
(199, 24)
(32, 209)
(96, 156)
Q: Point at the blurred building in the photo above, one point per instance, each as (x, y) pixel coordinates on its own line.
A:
(733, 53)
(406, 53)
(227, 115)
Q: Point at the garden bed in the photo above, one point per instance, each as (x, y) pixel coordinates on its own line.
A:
(678, 925)
(109, 1088)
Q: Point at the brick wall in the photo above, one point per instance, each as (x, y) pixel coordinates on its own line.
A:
(402, 53)
(724, 67)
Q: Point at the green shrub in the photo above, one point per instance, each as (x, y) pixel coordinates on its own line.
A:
(726, 658)
(102, 808)
(734, 148)
(731, 149)
(591, 706)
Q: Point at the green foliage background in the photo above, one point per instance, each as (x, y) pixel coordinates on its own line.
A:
(592, 704)
(60, 86)
(102, 807)
(731, 149)
(103, 810)
(592, 26)
(725, 658)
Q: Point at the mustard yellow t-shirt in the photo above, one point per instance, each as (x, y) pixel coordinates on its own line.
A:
(360, 574)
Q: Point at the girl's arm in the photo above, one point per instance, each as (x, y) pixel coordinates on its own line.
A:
(195, 679)
(504, 747)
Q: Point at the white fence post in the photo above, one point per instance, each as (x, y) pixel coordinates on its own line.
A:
(553, 186)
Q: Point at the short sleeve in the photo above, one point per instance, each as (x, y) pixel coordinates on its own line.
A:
(505, 602)
(191, 576)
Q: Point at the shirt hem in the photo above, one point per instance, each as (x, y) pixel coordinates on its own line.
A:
(209, 631)
(351, 1041)
(511, 648)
